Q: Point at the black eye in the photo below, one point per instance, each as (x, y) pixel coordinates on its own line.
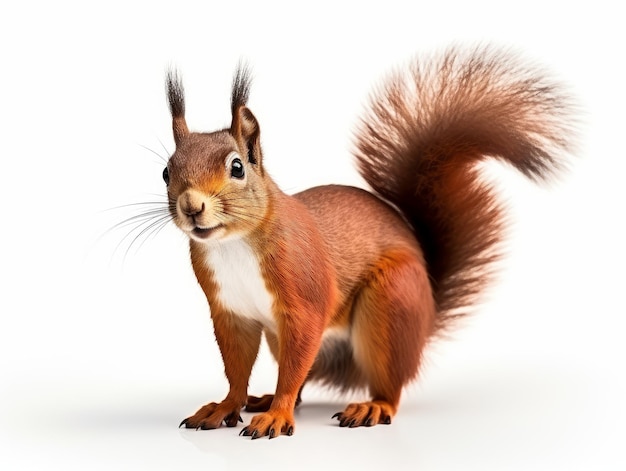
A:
(166, 176)
(236, 169)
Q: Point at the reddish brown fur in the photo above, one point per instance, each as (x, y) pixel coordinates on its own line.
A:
(358, 285)
(424, 133)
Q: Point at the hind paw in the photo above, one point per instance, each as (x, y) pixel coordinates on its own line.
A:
(365, 414)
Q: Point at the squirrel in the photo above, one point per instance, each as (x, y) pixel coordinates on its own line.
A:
(349, 285)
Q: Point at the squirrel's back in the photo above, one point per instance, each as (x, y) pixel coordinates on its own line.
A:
(358, 228)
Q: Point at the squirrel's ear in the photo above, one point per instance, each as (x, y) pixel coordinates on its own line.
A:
(244, 128)
(246, 131)
(176, 99)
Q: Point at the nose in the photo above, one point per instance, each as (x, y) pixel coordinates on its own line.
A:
(191, 203)
(192, 209)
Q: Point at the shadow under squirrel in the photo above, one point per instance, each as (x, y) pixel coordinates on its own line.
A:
(347, 285)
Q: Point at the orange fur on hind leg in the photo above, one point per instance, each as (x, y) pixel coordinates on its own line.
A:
(392, 319)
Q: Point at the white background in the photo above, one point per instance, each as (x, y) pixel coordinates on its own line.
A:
(103, 350)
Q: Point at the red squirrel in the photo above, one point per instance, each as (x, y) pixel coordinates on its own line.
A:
(350, 285)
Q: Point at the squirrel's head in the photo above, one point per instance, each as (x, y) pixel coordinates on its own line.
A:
(215, 181)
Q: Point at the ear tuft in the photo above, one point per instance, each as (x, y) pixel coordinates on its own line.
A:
(176, 100)
(175, 93)
(241, 87)
(244, 127)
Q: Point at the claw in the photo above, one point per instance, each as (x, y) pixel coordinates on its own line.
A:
(387, 420)
(184, 422)
(337, 415)
(243, 432)
(240, 419)
(290, 431)
(232, 419)
(255, 435)
(272, 433)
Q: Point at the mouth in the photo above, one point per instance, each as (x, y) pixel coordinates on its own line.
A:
(205, 232)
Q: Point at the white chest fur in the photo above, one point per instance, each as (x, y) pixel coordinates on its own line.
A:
(242, 289)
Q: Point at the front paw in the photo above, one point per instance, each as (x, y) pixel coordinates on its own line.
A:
(270, 424)
(213, 415)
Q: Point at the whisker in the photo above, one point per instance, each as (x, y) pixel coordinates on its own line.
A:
(163, 159)
(140, 219)
(223, 193)
(150, 218)
(154, 215)
(146, 232)
(142, 216)
(243, 208)
(145, 229)
(130, 205)
(242, 216)
(167, 152)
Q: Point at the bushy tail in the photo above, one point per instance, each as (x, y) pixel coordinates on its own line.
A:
(422, 137)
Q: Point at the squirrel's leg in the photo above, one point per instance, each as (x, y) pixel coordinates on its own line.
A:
(393, 317)
(239, 344)
(263, 403)
(299, 343)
